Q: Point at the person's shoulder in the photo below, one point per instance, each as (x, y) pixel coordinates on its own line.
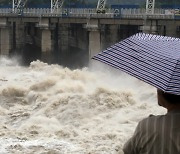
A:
(152, 117)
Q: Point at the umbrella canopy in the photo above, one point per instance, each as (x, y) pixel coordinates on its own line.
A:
(152, 58)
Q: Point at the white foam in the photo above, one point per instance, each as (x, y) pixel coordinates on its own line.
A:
(48, 108)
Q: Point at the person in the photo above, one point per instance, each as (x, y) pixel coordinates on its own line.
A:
(158, 134)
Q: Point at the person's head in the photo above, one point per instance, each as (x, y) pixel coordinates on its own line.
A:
(168, 100)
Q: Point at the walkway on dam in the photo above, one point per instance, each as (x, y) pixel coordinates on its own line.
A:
(90, 13)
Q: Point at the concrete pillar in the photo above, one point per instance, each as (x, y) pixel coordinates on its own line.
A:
(4, 37)
(154, 27)
(20, 35)
(162, 30)
(43, 23)
(81, 37)
(46, 46)
(63, 39)
(94, 37)
(114, 34)
(5, 41)
(46, 41)
(109, 35)
(150, 26)
(94, 43)
(171, 29)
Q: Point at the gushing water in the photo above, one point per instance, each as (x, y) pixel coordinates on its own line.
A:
(50, 109)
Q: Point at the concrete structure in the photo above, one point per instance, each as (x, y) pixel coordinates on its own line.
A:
(5, 45)
(59, 36)
(94, 37)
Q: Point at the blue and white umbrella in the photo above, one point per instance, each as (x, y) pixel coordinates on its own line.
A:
(154, 59)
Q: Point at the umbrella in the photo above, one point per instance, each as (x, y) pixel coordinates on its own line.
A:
(155, 59)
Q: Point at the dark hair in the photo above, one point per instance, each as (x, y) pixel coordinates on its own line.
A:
(171, 98)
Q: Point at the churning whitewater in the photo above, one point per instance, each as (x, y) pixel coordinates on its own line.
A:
(48, 109)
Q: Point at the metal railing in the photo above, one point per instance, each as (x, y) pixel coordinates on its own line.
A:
(141, 13)
(89, 13)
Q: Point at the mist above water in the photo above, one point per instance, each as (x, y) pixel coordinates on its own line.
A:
(51, 109)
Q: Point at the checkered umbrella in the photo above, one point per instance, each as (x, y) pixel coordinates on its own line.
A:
(154, 59)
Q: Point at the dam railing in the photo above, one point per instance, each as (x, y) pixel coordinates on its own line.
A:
(88, 13)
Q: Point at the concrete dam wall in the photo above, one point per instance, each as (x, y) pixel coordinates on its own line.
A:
(71, 42)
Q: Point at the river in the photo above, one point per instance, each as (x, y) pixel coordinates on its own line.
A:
(49, 109)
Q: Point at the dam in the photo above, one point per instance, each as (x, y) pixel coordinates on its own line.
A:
(71, 37)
